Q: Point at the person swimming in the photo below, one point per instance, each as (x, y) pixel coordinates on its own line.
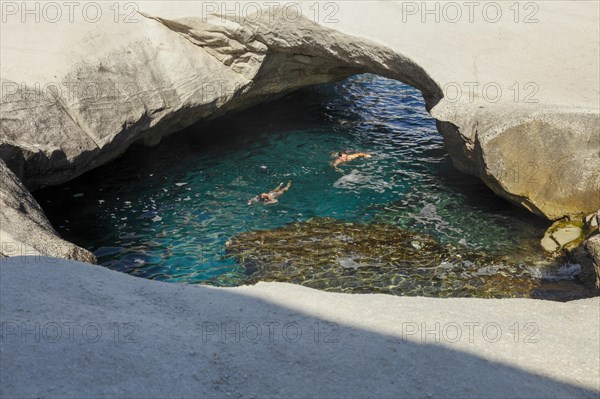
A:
(271, 196)
(343, 157)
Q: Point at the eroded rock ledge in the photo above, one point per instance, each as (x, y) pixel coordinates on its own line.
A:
(105, 86)
(24, 229)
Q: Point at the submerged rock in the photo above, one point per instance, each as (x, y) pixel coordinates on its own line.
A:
(378, 258)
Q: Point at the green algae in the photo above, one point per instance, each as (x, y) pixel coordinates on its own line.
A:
(377, 258)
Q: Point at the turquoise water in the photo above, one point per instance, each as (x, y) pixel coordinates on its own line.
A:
(165, 213)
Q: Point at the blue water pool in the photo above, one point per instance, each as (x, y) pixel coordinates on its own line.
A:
(166, 212)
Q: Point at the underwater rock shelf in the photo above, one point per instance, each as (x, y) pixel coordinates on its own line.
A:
(376, 258)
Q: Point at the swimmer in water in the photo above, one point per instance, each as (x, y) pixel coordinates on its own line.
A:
(343, 157)
(271, 196)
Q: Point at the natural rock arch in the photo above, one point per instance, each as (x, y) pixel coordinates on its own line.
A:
(161, 75)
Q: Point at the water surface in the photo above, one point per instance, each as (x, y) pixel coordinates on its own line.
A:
(166, 212)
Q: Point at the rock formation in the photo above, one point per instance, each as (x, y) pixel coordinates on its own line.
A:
(592, 246)
(99, 87)
(24, 229)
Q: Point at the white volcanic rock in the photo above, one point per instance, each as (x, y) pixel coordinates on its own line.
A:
(73, 330)
(24, 229)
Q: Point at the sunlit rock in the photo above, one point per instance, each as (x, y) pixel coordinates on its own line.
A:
(563, 235)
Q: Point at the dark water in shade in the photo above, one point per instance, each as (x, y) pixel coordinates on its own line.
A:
(166, 212)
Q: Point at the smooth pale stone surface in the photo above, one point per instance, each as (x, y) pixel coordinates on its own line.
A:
(566, 234)
(549, 244)
(151, 339)
(474, 48)
(559, 235)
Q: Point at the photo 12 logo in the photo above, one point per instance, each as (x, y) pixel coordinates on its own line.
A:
(68, 11)
(469, 11)
(491, 92)
(69, 331)
(251, 11)
(254, 332)
(91, 93)
(471, 331)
